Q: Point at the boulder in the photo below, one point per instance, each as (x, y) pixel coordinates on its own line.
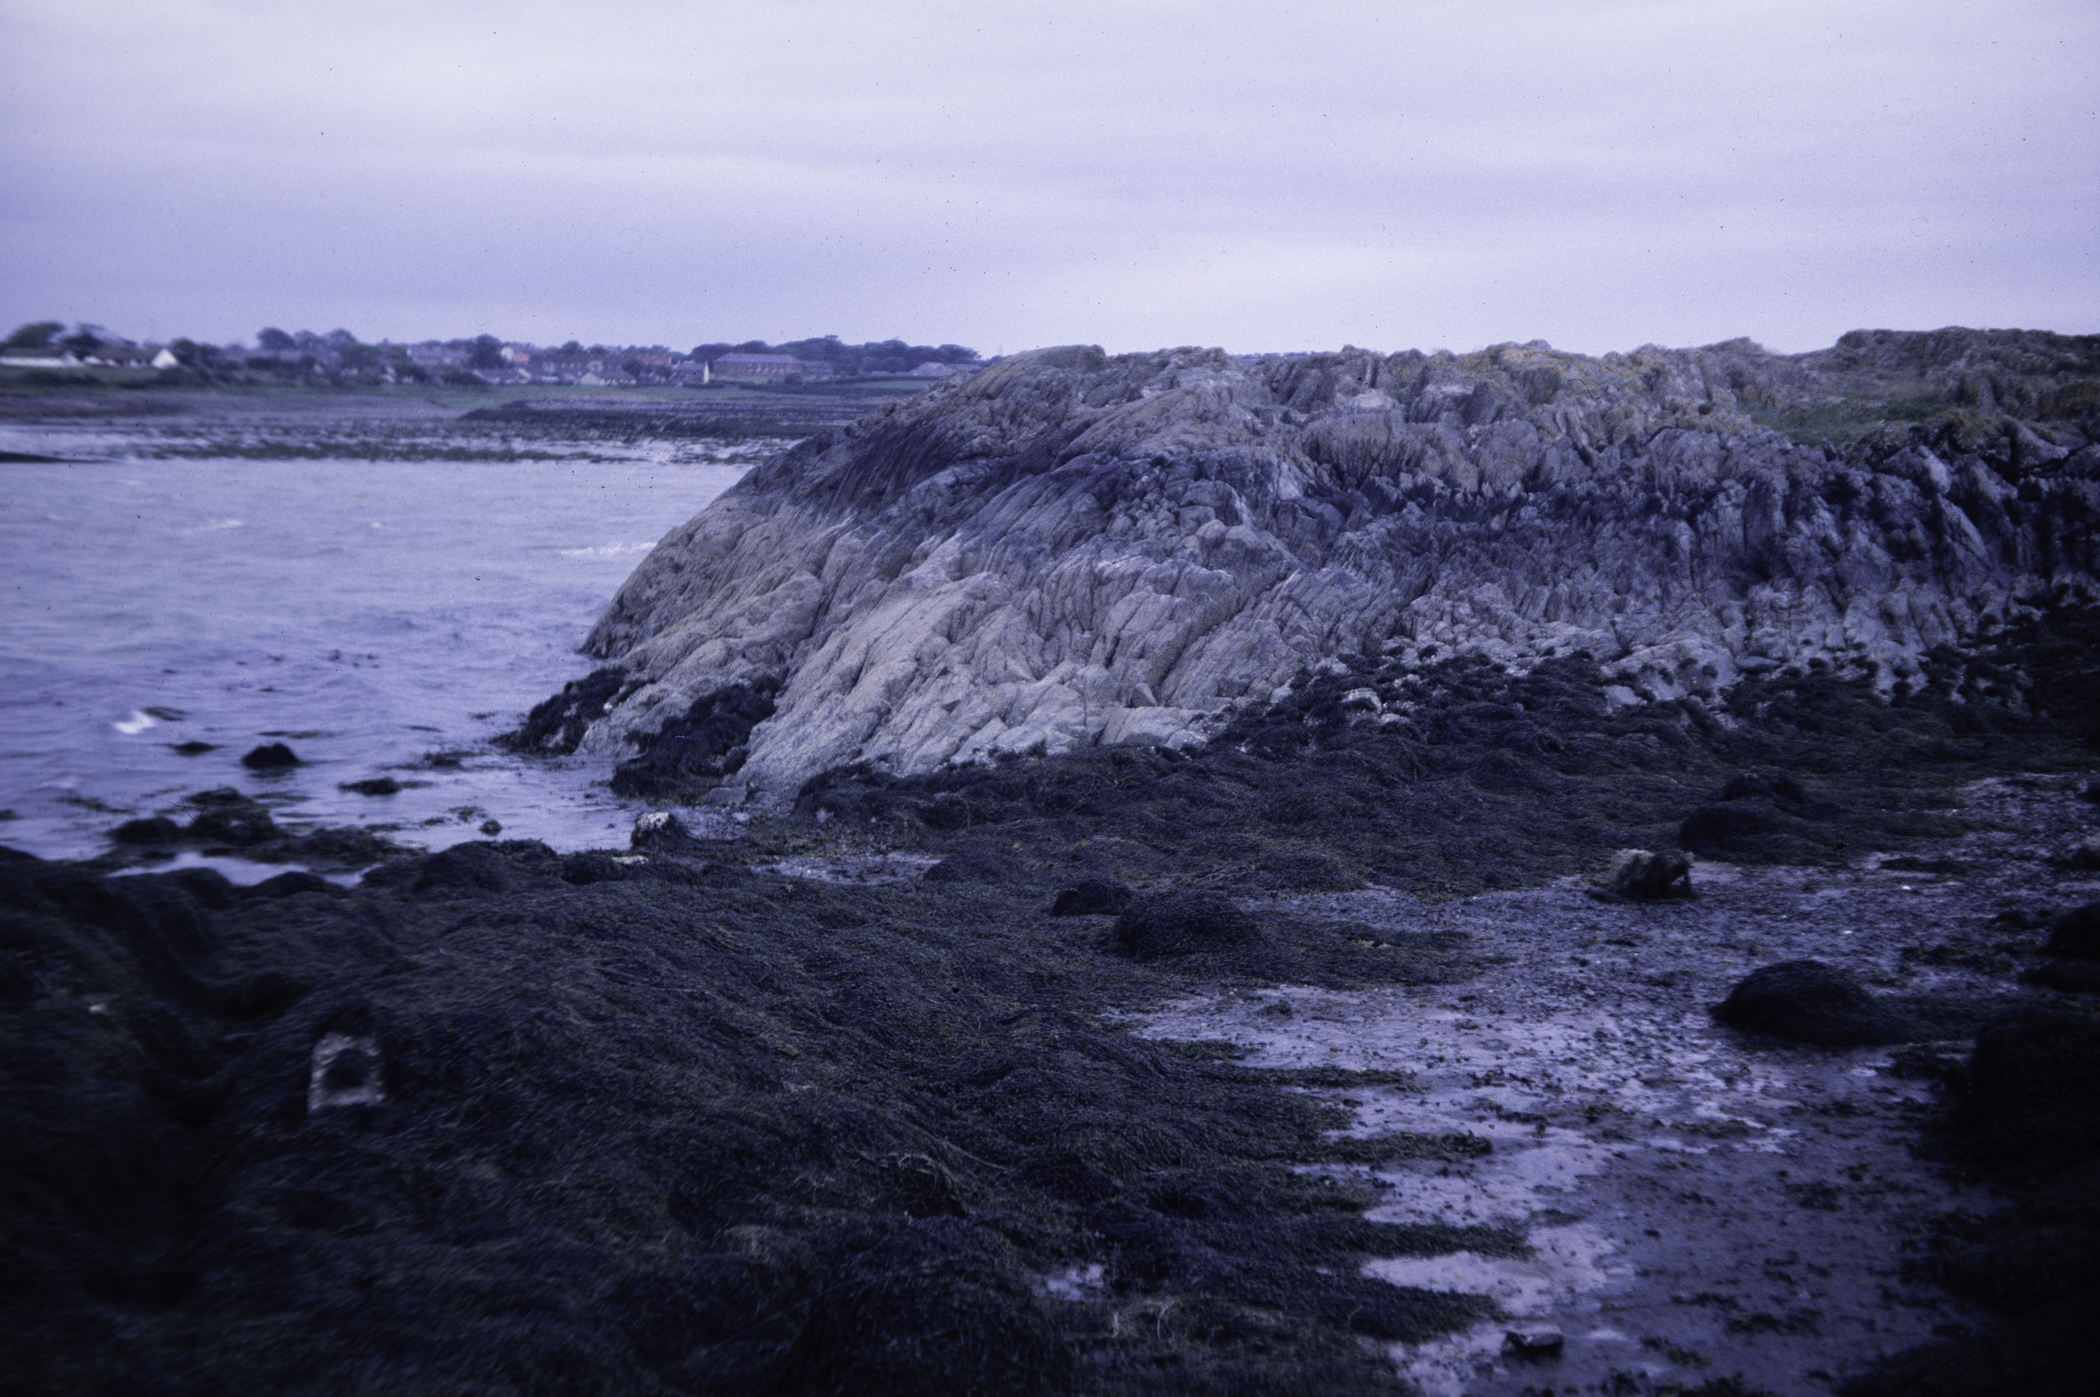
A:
(2076, 933)
(1807, 1001)
(1638, 875)
(2035, 1081)
(156, 829)
(1183, 923)
(271, 756)
(1068, 549)
(1092, 897)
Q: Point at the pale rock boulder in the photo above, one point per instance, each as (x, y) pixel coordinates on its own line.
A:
(1068, 548)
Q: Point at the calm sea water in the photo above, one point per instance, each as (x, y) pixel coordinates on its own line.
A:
(366, 612)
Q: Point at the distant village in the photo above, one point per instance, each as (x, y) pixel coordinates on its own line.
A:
(339, 357)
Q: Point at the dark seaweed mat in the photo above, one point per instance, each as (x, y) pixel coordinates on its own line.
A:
(2028, 1120)
(1495, 780)
(667, 1128)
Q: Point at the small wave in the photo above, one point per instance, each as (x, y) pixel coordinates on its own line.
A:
(217, 524)
(610, 550)
(138, 722)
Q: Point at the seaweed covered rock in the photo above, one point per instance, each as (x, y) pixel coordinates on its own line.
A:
(1184, 923)
(1092, 897)
(225, 816)
(2076, 933)
(271, 756)
(554, 727)
(941, 1305)
(1069, 549)
(2035, 1082)
(1807, 1001)
(1638, 875)
(694, 752)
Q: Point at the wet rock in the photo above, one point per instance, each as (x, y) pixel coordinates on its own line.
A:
(192, 748)
(472, 870)
(1637, 875)
(1092, 897)
(372, 786)
(340, 847)
(225, 816)
(1183, 923)
(157, 829)
(2085, 855)
(1807, 1001)
(271, 756)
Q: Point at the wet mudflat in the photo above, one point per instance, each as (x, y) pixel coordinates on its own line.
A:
(1702, 1203)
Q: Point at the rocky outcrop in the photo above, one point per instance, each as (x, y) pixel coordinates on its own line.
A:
(1068, 548)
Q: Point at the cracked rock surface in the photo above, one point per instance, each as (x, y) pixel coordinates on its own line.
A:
(1068, 549)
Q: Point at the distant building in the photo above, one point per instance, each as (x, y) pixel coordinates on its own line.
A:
(758, 368)
(40, 357)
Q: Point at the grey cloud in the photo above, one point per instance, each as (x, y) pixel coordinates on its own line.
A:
(1134, 175)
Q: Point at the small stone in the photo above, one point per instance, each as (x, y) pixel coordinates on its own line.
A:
(373, 786)
(491, 828)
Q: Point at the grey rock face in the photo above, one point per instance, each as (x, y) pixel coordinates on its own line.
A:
(1068, 548)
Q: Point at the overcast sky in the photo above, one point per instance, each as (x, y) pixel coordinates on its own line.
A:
(1013, 174)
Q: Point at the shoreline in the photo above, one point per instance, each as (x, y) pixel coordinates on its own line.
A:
(903, 977)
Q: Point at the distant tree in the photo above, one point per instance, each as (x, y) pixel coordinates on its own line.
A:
(338, 339)
(192, 355)
(708, 353)
(572, 347)
(84, 340)
(486, 353)
(359, 358)
(753, 347)
(306, 339)
(35, 335)
(633, 368)
(274, 339)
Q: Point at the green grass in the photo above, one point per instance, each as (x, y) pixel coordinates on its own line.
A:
(1843, 423)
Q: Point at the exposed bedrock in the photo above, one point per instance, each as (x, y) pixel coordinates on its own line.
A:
(1069, 548)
